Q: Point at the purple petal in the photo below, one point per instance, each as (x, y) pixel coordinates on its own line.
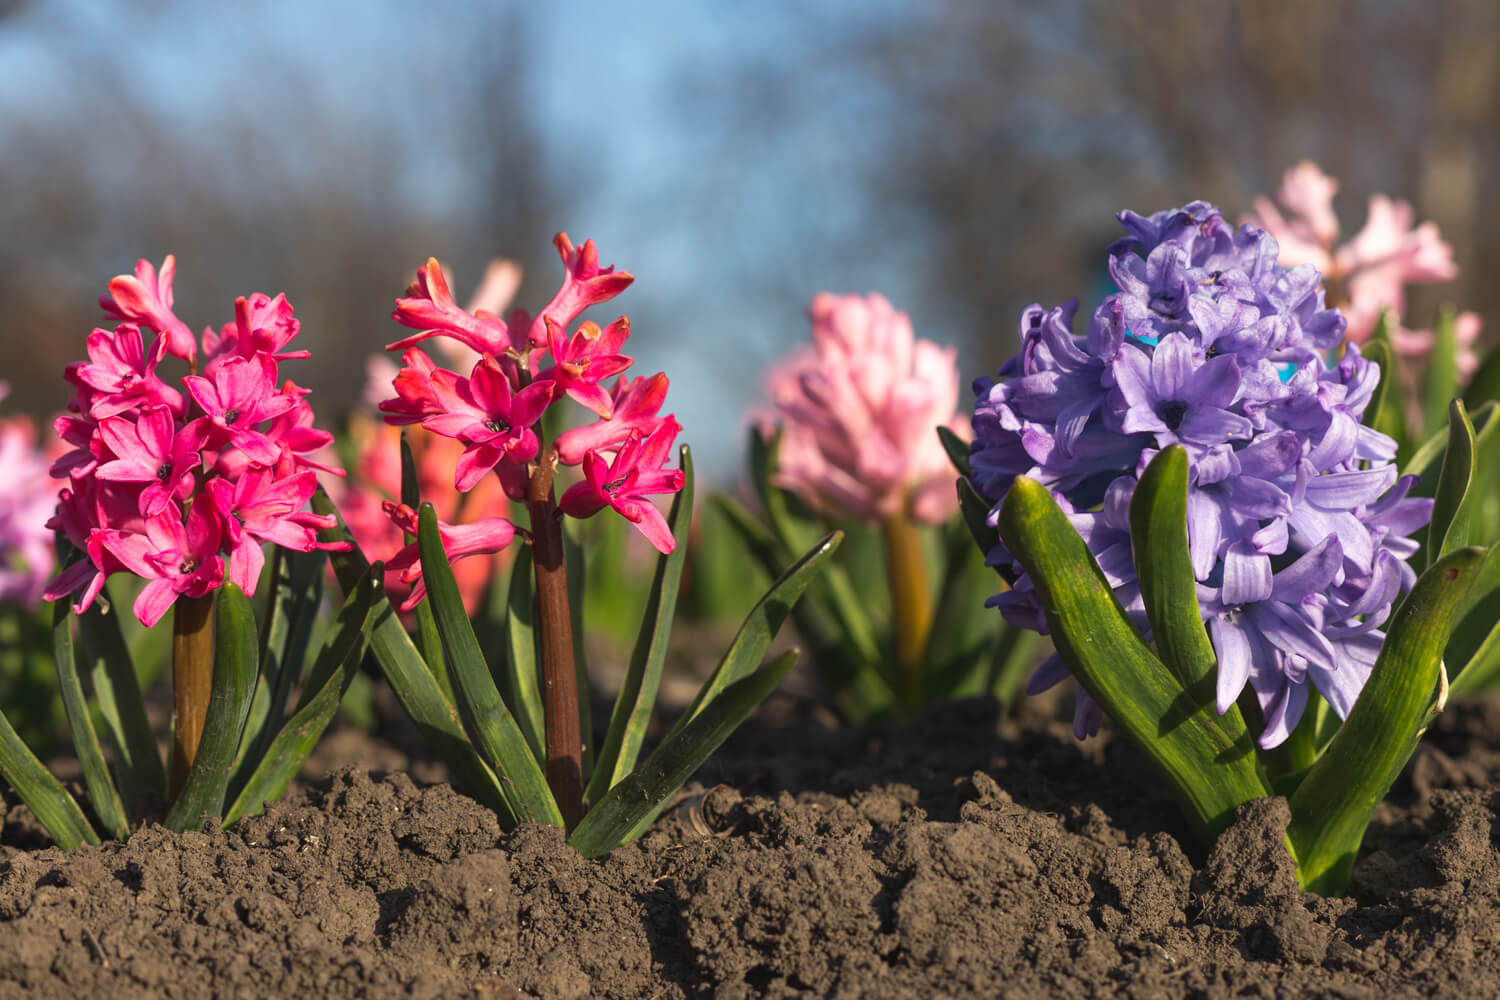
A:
(1282, 711)
(1217, 382)
(1347, 490)
(1233, 648)
(1172, 367)
(1314, 572)
(1247, 575)
(1210, 425)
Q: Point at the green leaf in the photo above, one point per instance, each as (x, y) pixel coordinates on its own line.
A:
(1159, 543)
(435, 716)
(1449, 528)
(487, 720)
(1472, 655)
(1210, 773)
(976, 514)
(1333, 805)
(285, 634)
(1391, 418)
(1484, 387)
(236, 660)
(335, 667)
(957, 450)
(1442, 372)
(792, 529)
(1378, 412)
(631, 805)
(577, 571)
(117, 695)
(962, 652)
(761, 625)
(43, 794)
(103, 796)
(518, 673)
(637, 698)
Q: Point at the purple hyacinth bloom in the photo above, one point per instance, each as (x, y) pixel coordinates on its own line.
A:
(1298, 527)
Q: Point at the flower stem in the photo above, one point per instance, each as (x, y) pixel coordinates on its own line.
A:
(192, 680)
(564, 744)
(911, 604)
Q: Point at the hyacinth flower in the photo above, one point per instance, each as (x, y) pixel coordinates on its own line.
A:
(526, 743)
(375, 475)
(1367, 278)
(1189, 498)
(849, 435)
(171, 488)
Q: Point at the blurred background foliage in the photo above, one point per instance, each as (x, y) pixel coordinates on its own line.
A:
(964, 156)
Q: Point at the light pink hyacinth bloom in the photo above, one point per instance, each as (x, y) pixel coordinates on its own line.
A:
(858, 413)
(27, 497)
(1369, 273)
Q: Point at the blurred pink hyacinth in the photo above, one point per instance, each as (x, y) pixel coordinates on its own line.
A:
(27, 496)
(858, 413)
(1369, 273)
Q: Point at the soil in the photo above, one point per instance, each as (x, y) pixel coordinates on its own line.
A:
(959, 855)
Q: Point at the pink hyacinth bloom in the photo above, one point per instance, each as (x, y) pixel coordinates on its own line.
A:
(585, 284)
(634, 405)
(483, 413)
(176, 558)
(121, 375)
(857, 414)
(485, 536)
(416, 399)
(584, 360)
(262, 325)
(150, 450)
(81, 460)
(146, 298)
(27, 498)
(241, 394)
(429, 308)
(257, 508)
(625, 483)
(1370, 271)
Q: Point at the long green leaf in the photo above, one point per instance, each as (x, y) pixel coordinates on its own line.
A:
(1484, 387)
(43, 794)
(1472, 655)
(577, 569)
(1378, 412)
(957, 450)
(637, 698)
(488, 721)
(1333, 805)
(285, 634)
(1442, 371)
(1159, 544)
(762, 624)
(1390, 418)
(1449, 527)
(518, 670)
(117, 694)
(236, 660)
(103, 795)
(407, 674)
(1210, 773)
(962, 651)
(631, 805)
(336, 665)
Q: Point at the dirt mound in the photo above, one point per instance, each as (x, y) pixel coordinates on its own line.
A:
(961, 855)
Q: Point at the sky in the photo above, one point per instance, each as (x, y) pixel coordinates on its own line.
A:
(641, 109)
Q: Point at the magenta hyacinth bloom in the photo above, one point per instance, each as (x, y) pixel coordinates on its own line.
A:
(145, 297)
(624, 484)
(26, 501)
(857, 414)
(1298, 525)
(526, 365)
(176, 558)
(485, 536)
(165, 489)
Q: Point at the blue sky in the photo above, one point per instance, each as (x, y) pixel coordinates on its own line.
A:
(645, 103)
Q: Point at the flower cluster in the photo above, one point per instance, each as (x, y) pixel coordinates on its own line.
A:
(495, 410)
(1370, 272)
(182, 488)
(1297, 522)
(375, 479)
(857, 412)
(27, 497)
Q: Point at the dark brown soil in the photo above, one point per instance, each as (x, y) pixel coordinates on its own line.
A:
(958, 856)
